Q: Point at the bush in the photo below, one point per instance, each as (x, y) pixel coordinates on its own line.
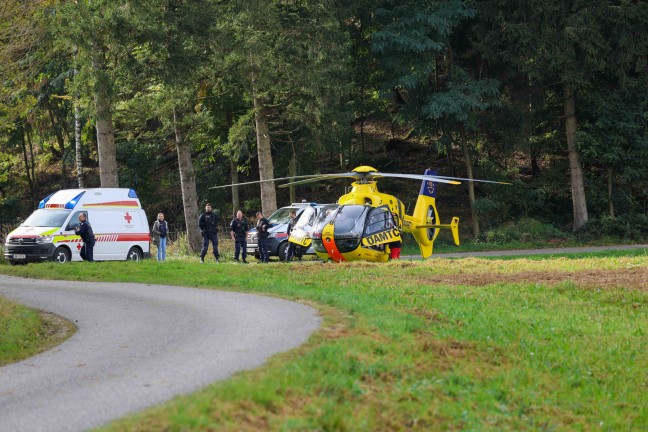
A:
(628, 227)
(525, 230)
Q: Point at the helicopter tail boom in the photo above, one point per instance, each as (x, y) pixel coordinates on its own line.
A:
(424, 222)
(453, 226)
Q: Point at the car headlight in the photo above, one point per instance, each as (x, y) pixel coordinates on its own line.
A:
(44, 239)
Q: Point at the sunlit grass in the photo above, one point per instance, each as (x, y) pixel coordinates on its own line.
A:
(476, 344)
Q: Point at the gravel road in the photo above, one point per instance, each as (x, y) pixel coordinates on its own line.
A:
(137, 346)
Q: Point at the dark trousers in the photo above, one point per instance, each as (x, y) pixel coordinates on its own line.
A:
(294, 251)
(213, 237)
(87, 251)
(290, 253)
(263, 249)
(240, 246)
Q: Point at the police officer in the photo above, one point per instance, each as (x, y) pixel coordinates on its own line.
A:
(207, 223)
(238, 230)
(84, 230)
(262, 231)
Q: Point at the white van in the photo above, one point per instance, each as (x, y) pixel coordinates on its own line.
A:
(116, 216)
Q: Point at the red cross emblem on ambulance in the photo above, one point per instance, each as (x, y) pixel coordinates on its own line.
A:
(78, 246)
(128, 218)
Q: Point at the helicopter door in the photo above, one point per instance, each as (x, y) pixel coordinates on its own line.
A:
(303, 229)
(380, 228)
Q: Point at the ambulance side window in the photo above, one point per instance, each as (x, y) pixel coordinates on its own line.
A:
(74, 221)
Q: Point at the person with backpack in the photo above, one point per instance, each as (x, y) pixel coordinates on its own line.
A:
(160, 231)
(209, 228)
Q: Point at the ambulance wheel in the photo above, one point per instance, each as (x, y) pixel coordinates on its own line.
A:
(62, 255)
(134, 254)
(283, 251)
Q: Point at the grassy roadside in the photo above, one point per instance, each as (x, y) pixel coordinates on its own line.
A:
(25, 332)
(474, 344)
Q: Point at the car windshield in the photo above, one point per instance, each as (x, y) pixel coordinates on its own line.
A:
(281, 216)
(47, 218)
(350, 220)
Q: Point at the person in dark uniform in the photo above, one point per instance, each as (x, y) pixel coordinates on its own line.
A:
(262, 231)
(207, 223)
(238, 230)
(84, 230)
(292, 247)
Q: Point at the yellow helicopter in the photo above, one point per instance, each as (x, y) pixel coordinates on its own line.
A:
(366, 224)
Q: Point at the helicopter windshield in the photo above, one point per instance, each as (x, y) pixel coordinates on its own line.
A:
(349, 221)
(324, 216)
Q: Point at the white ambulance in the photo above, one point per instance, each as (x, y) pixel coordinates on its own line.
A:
(116, 216)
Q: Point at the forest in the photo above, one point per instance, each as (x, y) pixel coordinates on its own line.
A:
(173, 97)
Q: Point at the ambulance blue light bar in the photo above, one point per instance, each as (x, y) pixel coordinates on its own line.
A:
(132, 193)
(73, 202)
(44, 201)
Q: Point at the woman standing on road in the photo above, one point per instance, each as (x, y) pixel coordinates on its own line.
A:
(160, 231)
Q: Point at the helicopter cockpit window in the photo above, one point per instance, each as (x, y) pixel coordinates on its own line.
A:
(350, 221)
(324, 215)
(380, 219)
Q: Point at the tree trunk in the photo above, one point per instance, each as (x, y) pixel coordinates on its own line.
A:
(292, 172)
(471, 185)
(77, 144)
(610, 172)
(28, 171)
(61, 142)
(187, 183)
(236, 200)
(105, 131)
(575, 170)
(266, 168)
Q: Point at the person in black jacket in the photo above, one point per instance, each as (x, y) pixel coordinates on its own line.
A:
(262, 231)
(238, 230)
(84, 230)
(207, 223)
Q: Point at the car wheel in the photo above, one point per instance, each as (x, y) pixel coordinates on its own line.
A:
(282, 251)
(62, 255)
(134, 254)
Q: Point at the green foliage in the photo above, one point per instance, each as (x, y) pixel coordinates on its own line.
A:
(524, 230)
(625, 228)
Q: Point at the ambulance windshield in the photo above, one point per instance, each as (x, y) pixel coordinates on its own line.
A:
(47, 218)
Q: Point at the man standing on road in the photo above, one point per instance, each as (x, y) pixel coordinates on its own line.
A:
(208, 227)
(262, 232)
(84, 230)
(238, 230)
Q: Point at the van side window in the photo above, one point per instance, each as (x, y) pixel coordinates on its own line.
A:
(74, 221)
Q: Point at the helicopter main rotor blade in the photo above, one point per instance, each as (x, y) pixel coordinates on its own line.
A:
(415, 177)
(439, 179)
(261, 181)
(322, 177)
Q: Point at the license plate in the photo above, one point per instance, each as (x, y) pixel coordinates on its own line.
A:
(19, 256)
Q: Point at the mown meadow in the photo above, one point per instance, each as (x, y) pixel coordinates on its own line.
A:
(549, 343)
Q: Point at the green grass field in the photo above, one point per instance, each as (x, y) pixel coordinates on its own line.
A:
(25, 332)
(467, 344)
